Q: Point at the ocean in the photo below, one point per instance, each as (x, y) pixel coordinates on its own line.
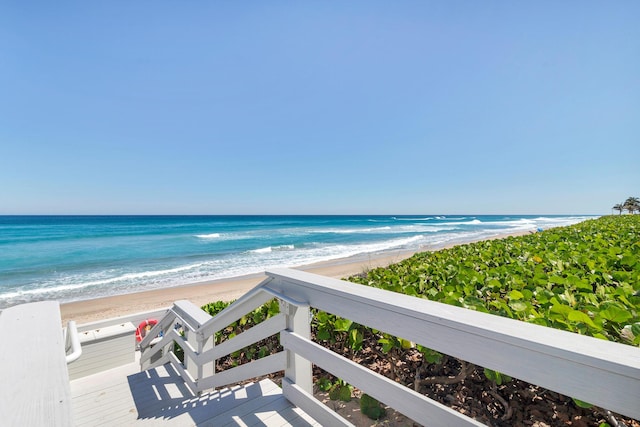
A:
(70, 258)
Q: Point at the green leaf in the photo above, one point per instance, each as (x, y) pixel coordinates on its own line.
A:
(324, 383)
(323, 334)
(515, 295)
(559, 308)
(496, 376)
(387, 344)
(578, 316)
(355, 339)
(371, 407)
(493, 283)
(334, 392)
(615, 314)
(406, 344)
(582, 404)
(430, 355)
(345, 393)
(343, 325)
(518, 306)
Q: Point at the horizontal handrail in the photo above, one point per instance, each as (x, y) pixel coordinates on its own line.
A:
(257, 333)
(73, 336)
(243, 305)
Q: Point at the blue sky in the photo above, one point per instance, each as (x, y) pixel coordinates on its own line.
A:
(276, 107)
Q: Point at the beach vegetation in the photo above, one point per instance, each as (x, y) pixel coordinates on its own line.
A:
(583, 278)
(371, 407)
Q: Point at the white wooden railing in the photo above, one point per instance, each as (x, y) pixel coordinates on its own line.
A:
(604, 373)
(72, 342)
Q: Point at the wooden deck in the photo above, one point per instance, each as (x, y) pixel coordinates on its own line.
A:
(125, 396)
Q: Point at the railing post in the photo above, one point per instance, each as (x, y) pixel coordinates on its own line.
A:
(298, 369)
(190, 364)
(200, 344)
(206, 369)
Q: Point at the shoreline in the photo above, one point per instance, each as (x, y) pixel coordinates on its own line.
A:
(201, 293)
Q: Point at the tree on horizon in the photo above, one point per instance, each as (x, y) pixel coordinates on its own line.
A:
(618, 207)
(632, 204)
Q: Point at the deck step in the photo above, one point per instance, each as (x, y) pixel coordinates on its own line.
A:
(122, 396)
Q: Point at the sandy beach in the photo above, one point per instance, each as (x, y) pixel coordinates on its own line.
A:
(218, 290)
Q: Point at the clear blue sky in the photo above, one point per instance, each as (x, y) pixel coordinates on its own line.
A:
(269, 107)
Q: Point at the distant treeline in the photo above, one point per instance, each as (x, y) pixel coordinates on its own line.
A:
(631, 205)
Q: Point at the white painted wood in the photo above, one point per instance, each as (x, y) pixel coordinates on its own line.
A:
(103, 349)
(560, 361)
(410, 403)
(73, 349)
(298, 369)
(125, 397)
(134, 319)
(251, 336)
(312, 406)
(190, 364)
(206, 368)
(258, 368)
(190, 313)
(243, 305)
(167, 339)
(35, 383)
(193, 317)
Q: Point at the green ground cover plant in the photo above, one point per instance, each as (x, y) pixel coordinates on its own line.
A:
(583, 278)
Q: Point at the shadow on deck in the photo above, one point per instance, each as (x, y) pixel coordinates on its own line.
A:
(159, 396)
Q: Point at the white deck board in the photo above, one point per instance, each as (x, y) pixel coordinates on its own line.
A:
(124, 396)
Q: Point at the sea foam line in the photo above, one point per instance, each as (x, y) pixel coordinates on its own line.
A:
(351, 230)
(208, 236)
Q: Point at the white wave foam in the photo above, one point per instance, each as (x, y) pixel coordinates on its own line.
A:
(514, 223)
(269, 249)
(424, 228)
(127, 278)
(262, 250)
(472, 222)
(351, 230)
(417, 219)
(208, 236)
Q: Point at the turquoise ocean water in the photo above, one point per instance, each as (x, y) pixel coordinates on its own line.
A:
(80, 257)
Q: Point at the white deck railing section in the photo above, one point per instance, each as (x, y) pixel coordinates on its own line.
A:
(606, 374)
